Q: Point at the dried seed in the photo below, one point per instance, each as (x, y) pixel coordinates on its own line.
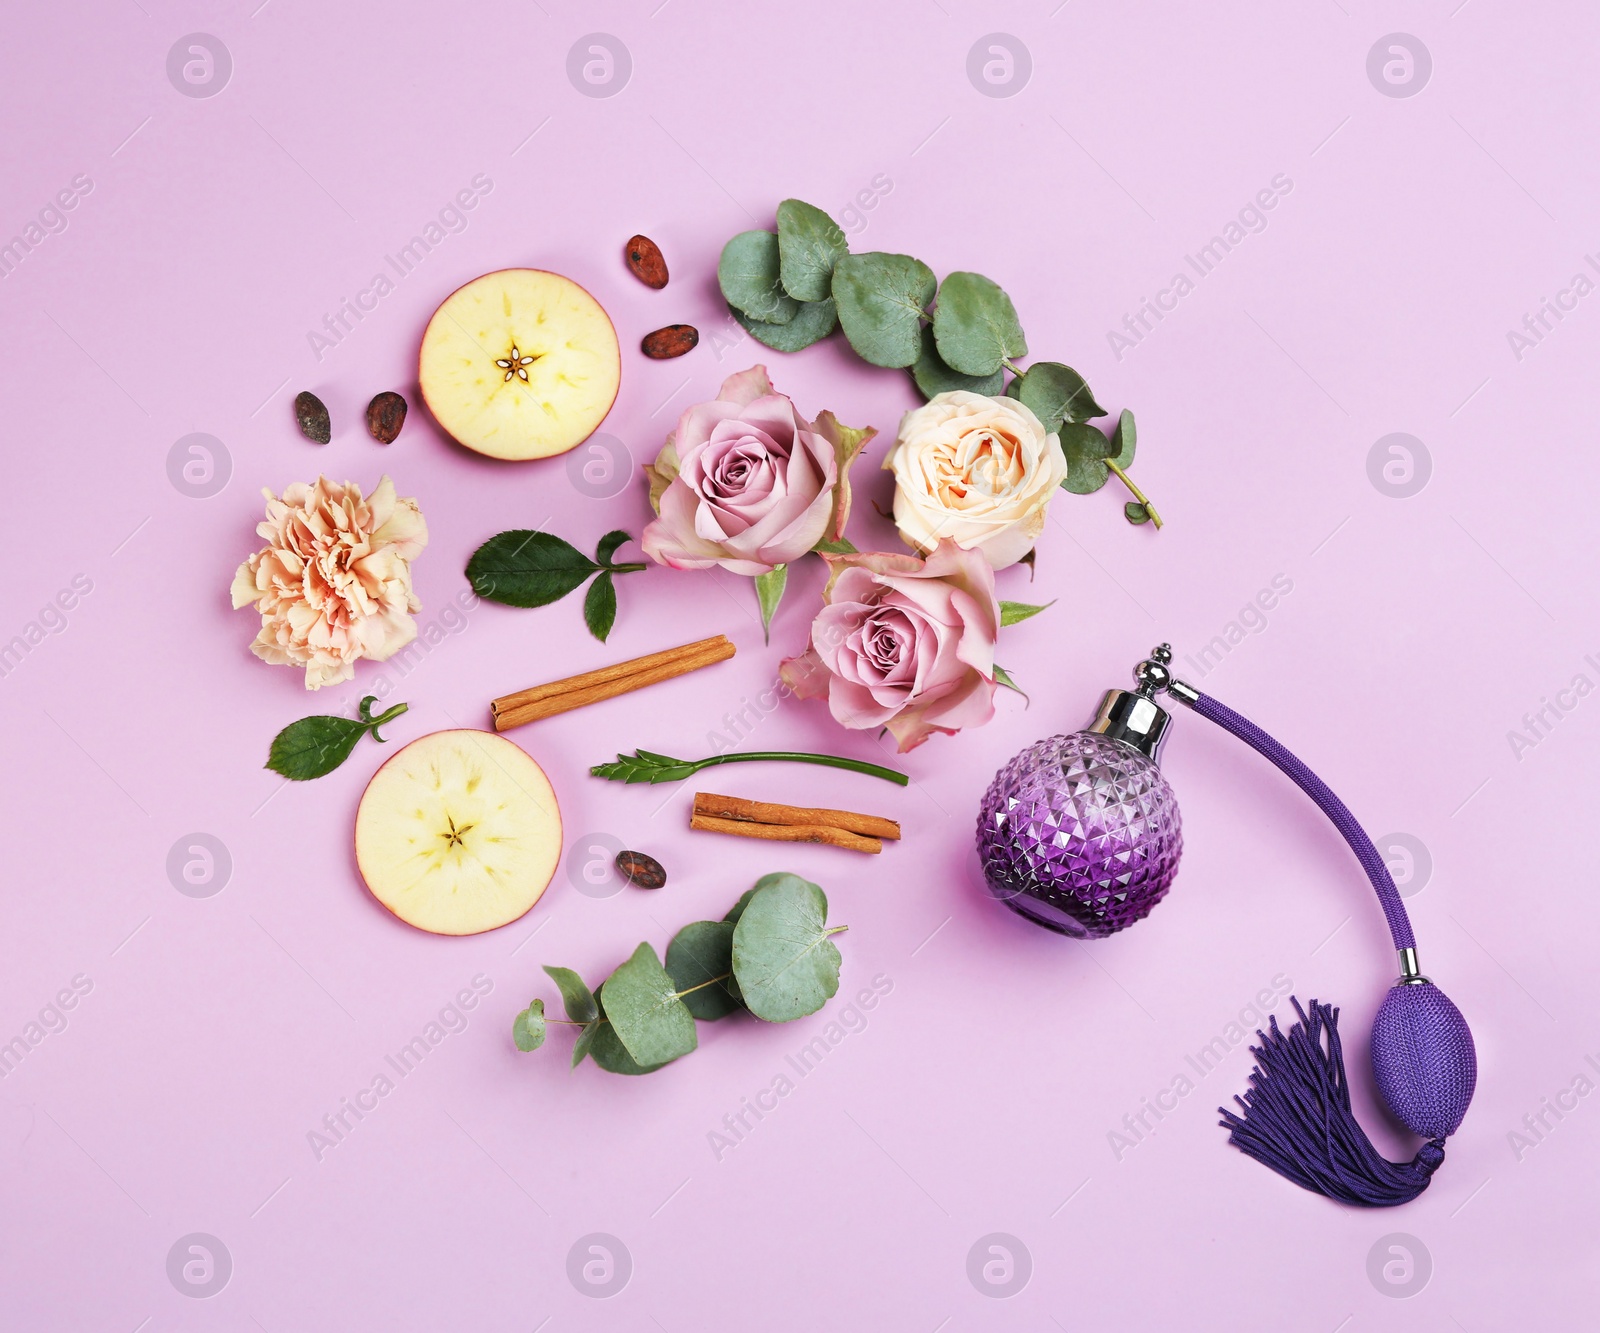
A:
(674, 340)
(311, 415)
(645, 259)
(386, 414)
(643, 872)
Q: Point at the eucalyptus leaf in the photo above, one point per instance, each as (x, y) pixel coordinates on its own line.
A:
(933, 377)
(580, 1048)
(524, 567)
(882, 300)
(607, 1049)
(748, 273)
(1057, 393)
(809, 244)
(812, 322)
(769, 592)
(527, 1028)
(786, 965)
(1086, 449)
(1135, 513)
(600, 606)
(650, 1020)
(1014, 613)
(737, 910)
(576, 996)
(1124, 440)
(975, 325)
(700, 961)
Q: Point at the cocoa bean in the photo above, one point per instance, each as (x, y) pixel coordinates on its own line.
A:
(386, 414)
(311, 415)
(644, 258)
(674, 340)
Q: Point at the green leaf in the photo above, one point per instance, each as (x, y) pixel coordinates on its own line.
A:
(1014, 387)
(313, 746)
(748, 275)
(1003, 677)
(1057, 393)
(645, 767)
(527, 1028)
(652, 1022)
(600, 606)
(882, 301)
(769, 592)
(527, 568)
(609, 544)
(700, 960)
(737, 910)
(580, 1048)
(843, 546)
(1014, 613)
(1086, 449)
(975, 325)
(1123, 442)
(1135, 512)
(576, 996)
(606, 1046)
(933, 377)
(785, 964)
(813, 322)
(809, 243)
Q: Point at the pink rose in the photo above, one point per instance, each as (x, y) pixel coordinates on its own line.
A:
(904, 643)
(747, 483)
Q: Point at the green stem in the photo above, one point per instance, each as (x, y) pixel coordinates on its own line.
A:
(632, 567)
(827, 760)
(1138, 495)
(1013, 367)
(373, 723)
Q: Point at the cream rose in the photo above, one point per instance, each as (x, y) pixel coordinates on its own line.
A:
(976, 471)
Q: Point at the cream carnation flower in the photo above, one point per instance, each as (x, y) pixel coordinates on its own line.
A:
(976, 471)
(333, 583)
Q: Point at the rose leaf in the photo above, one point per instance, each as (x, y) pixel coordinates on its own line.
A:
(813, 321)
(1014, 613)
(700, 961)
(809, 244)
(975, 325)
(769, 592)
(600, 606)
(748, 275)
(882, 300)
(786, 965)
(527, 568)
(1086, 450)
(933, 377)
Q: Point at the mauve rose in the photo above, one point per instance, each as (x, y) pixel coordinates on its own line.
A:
(747, 483)
(904, 643)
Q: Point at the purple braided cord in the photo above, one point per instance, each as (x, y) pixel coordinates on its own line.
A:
(1330, 805)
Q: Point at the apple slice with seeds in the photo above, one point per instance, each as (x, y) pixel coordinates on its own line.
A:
(520, 364)
(458, 832)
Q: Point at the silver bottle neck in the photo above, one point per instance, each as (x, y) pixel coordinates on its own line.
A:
(1132, 719)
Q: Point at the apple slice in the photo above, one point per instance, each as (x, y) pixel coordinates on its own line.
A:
(520, 364)
(458, 833)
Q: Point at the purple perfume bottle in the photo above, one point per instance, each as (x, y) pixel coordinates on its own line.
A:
(1081, 833)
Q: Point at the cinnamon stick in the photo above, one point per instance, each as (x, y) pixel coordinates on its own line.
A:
(560, 696)
(763, 812)
(833, 837)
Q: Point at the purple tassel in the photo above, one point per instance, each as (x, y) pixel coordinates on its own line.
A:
(1297, 1119)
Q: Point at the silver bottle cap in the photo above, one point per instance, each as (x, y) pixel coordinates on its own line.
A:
(1133, 716)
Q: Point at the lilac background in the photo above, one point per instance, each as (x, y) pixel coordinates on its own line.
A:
(980, 1096)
